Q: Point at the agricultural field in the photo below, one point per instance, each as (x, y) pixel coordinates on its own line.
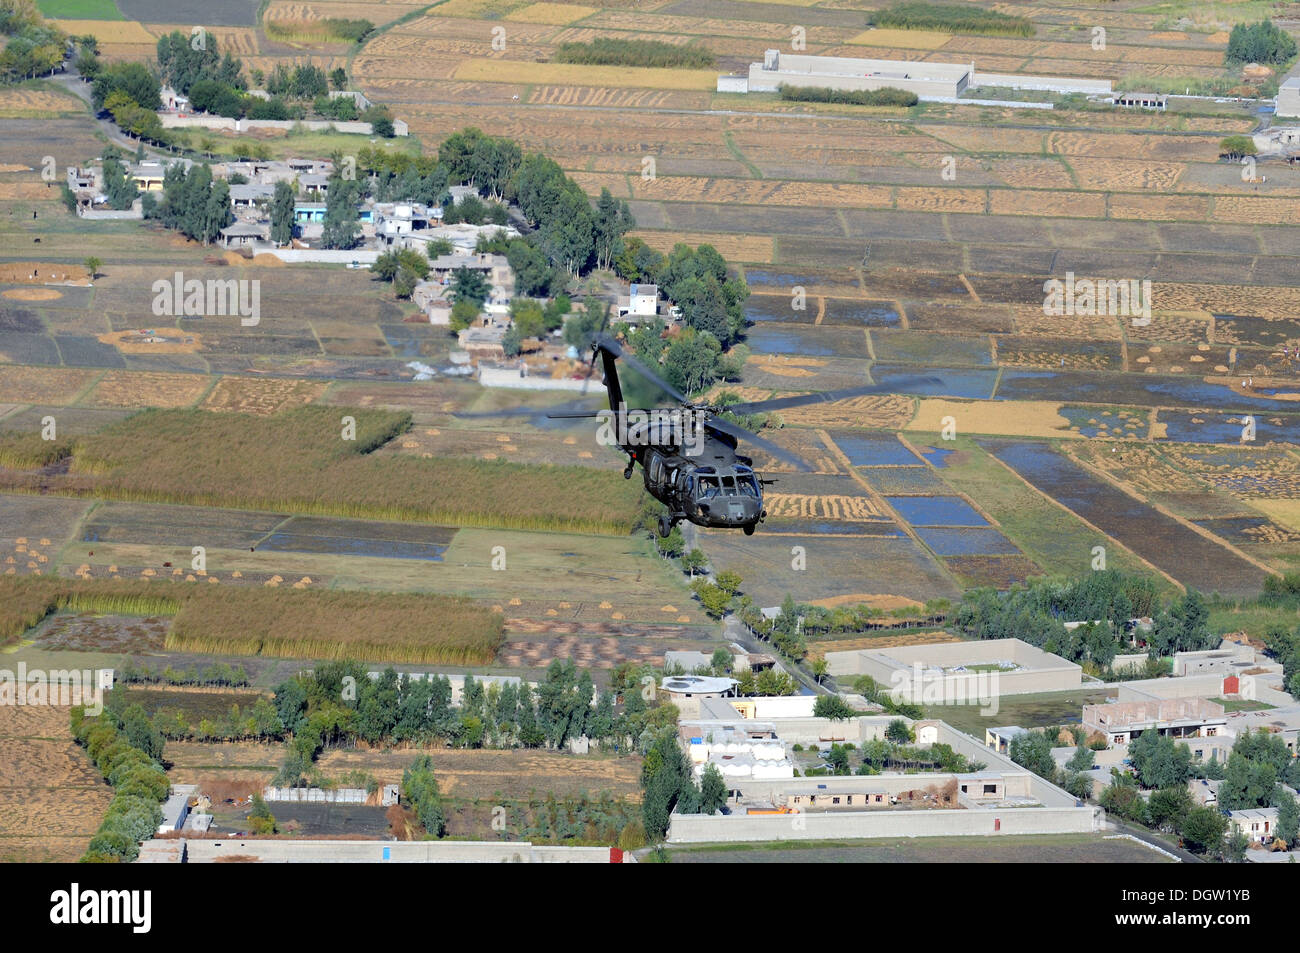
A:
(47, 814)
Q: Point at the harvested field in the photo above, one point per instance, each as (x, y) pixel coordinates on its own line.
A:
(51, 797)
(558, 14)
(573, 74)
(138, 389)
(1022, 418)
(602, 653)
(262, 396)
(42, 385)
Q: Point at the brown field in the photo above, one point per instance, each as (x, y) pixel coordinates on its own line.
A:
(739, 248)
(42, 272)
(109, 31)
(556, 14)
(598, 653)
(263, 396)
(461, 773)
(148, 389)
(51, 797)
(1021, 418)
(42, 385)
(817, 649)
(37, 103)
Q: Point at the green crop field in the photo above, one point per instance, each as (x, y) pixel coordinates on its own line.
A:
(80, 9)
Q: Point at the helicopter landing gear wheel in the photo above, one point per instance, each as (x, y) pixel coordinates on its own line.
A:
(665, 527)
(749, 529)
(628, 471)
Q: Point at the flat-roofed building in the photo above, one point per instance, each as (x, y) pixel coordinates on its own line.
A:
(1259, 823)
(1121, 722)
(851, 73)
(1288, 97)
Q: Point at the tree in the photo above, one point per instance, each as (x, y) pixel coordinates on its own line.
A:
(1288, 818)
(339, 78)
(342, 228)
(468, 284)
(260, 819)
(714, 599)
(833, 707)
(1203, 830)
(1259, 43)
(93, 265)
(1082, 760)
(694, 561)
(713, 790)
(819, 669)
(898, 733)
(1237, 147)
(420, 788)
(1033, 750)
(1169, 807)
(282, 213)
(1235, 847)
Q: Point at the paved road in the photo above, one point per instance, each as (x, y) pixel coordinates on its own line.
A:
(71, 81)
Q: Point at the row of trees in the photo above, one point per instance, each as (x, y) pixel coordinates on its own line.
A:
(1259, 43)
(32, 47)
(127, 750)
(1105, 601)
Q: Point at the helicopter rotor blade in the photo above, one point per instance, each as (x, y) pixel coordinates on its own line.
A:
(740, 433)
(781, 403)
(607, 342)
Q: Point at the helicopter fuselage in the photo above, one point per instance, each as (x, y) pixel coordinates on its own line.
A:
(713, 487)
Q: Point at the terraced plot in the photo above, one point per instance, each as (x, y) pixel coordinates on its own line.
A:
(1181, 552)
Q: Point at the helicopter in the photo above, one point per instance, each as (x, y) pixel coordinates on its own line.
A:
(689, 454)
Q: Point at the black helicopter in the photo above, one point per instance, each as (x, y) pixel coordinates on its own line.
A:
(688, 453)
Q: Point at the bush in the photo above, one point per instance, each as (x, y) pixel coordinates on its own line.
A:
(605, 51)
(887, 96)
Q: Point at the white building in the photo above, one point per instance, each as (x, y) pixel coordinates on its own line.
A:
(1288, 98)
(641, 301)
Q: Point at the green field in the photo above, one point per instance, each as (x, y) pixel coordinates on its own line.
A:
(80, 9)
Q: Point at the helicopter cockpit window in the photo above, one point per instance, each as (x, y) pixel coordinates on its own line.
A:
(708, 487)
(729, 485)
(747, 486)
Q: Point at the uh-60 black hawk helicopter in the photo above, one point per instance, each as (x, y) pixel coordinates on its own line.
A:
(688, 453)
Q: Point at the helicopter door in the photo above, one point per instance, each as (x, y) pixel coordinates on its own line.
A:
(656, 469)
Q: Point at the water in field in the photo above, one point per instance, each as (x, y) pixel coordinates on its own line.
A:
(936, 511)
(949, 541)
(866, 449)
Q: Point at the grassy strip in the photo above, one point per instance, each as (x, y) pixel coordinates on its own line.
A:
(319, 31)
(284, 623)
(950, 18)
(607, 51)
(887, 96)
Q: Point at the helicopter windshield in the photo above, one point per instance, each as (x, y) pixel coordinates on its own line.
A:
(746, 486)
(708, 487)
